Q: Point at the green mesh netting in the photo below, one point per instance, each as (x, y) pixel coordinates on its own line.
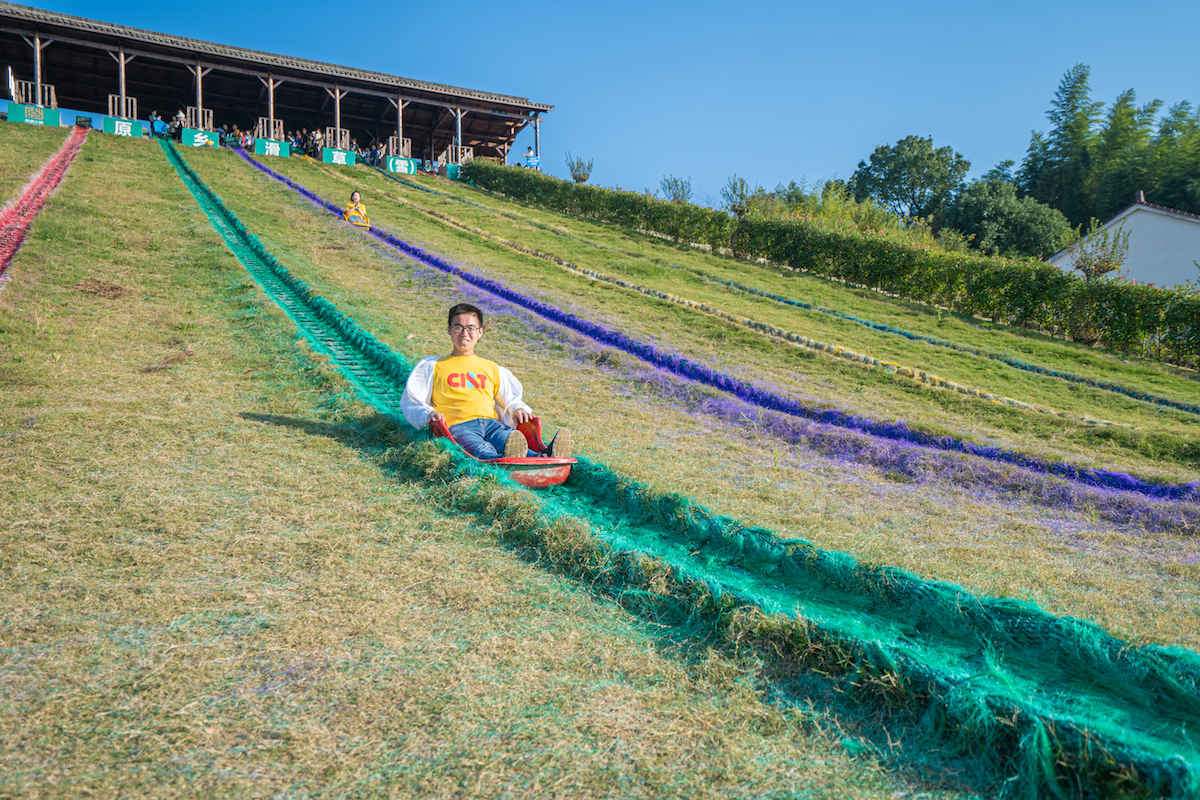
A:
(1061, 708)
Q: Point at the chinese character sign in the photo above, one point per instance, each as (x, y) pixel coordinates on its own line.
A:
(32, 115)
(272, 148)
(122, 127)
(405, 166)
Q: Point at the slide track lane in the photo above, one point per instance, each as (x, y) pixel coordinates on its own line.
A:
(17, 216)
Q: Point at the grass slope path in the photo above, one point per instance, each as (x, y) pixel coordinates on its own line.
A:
(755, 395)
(18, 215)
(1016, 363)
(1056, 705)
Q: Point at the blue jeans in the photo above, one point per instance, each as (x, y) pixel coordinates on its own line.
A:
(483, 438)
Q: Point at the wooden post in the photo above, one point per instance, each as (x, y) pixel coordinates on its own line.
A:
(38, 46)
(122, 60)
(537, 137)
(337, 94)
(271, 85)
(400, 106)
(121, 77)
(199, 72)
(37, 69)
(337, 115)
(458, 115)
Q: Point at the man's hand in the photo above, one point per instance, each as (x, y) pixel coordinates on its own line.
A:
(521, 415)
(434, 416)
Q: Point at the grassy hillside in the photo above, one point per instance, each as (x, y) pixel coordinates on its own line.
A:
(221, 580)
(216, 586)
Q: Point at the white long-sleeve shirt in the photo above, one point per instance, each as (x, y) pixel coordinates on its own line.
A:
(418, 391)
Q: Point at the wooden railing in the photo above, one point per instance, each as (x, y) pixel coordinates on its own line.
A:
(26, 95)
(338, 138)
(115, 110)
(460, 154)
(261, 132)
(202, 121)
(398, 147)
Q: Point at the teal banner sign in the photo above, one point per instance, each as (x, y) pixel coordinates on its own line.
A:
(33, 115)
(194, 138)
(403, 166)
(331, 155)
(123, 127)
(270, 147)
(452, 171)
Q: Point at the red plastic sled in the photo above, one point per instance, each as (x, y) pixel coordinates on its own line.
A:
(537, 472)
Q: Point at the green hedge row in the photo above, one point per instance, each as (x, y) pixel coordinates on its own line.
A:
(1140, 319)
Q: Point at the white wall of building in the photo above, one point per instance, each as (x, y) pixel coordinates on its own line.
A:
(1162, 246)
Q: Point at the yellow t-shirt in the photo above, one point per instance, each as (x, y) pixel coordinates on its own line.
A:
(464, 388)
(356, 210)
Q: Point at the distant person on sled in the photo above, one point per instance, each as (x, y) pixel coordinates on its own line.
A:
(478, 400)
(356, 212)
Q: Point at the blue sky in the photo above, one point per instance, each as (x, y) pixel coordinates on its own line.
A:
(768, 90)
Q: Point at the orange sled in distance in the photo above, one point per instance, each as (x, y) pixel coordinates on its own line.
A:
(537, 472)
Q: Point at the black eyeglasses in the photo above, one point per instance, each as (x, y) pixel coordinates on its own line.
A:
(470, 330)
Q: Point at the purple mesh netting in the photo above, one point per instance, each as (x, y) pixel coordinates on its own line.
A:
(755, 395)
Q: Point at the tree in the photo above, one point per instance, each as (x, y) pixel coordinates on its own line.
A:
(677, 190)
(911, 179)
(1057, 169)
(1101, 251)
(1001, 172)
(1122, 164)
(735, 196)
(989, 214)
(580, 170)
(1174, 179)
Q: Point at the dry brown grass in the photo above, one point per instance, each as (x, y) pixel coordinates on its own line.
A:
(216, 586)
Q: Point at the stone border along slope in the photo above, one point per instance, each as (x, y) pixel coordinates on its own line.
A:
(1055, 705)
(756, 395)
(788, 337)
(1109, 386)
(19, 214)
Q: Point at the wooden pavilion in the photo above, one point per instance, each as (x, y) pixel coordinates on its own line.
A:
(99, 67)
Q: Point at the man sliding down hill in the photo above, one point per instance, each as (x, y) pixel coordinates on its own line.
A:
(479, 400)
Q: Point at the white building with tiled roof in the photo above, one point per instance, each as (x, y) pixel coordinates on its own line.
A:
(1164, 244)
